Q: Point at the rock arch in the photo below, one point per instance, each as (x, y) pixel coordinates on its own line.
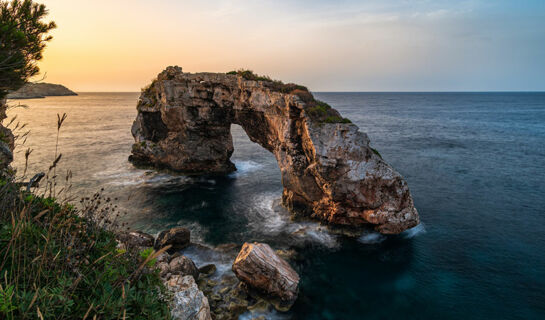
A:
(328, 170)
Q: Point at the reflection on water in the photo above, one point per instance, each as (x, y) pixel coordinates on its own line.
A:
(474, 163)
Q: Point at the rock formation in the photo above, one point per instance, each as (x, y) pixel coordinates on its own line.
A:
(328, 169)
(258, 266)
(41, 90)
(178, 238)
(7, 140)
(189, 303)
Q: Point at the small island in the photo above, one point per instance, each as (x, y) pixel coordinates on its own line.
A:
(41, 90)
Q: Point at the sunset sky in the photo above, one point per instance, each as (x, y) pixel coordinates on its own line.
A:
(105, 45)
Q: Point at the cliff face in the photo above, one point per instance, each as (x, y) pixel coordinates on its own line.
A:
(328, 170)
(7, 141)
(40, 90)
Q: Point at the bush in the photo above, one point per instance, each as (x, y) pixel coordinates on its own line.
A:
(249, 75)
(58, 263)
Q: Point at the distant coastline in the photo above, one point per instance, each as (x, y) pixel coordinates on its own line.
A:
(41, 90)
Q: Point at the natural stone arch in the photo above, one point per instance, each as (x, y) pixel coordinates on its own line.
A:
(328, 170)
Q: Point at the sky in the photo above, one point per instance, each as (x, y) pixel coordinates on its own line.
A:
(376, 45)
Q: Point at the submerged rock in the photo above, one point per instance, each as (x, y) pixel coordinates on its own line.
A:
(208, 269)
(178, 238)
(258, 266)
(189, 303)
(329, 171)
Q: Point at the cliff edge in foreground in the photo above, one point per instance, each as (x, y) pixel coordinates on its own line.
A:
(41, 90)
(329, 171)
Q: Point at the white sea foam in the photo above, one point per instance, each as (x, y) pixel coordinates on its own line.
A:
(372, 238)
(246, 166)
(413, 232)
(266, 215)
(272, 315)
(203, 256)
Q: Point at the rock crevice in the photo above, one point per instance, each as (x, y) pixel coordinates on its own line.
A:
(328, 170)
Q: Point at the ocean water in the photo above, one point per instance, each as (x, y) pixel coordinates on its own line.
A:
(475, 164)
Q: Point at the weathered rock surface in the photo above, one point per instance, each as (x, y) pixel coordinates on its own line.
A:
(189, 303)
(41, 90)
(136, 238)
(258, 266)
(178, 238)
(328, 170)
(184, 266)
(7, 140)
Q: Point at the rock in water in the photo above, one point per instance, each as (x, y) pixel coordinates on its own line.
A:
(328, 169)
(178, 238)
(189, 303)
(258, 266)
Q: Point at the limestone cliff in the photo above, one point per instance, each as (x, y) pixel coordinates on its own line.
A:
(7, 141)
(40, 90)
(328, 170)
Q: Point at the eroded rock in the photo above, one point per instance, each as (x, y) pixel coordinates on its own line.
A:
(189, 303)
(328, 169)
(136, 238)
(258, 266)
(7, 140)
(184, 266)
(178, 238)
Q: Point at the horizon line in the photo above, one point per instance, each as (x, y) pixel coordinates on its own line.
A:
(376, 91)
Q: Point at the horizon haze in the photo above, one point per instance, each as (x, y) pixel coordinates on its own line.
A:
(376, 46)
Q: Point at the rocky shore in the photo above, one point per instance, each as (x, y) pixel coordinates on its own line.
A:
(260, 280)
(40, 90)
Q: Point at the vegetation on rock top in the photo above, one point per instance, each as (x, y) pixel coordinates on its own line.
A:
(317, 110)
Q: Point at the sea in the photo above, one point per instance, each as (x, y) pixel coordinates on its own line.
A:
(474, 162)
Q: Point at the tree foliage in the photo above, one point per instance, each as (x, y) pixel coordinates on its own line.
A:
(23, 37)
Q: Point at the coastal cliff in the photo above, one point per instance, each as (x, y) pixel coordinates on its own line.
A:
(329, 171)
(40, 90)
(7, 140)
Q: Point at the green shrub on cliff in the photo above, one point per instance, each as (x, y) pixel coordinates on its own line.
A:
(317, 110)
(60, 263)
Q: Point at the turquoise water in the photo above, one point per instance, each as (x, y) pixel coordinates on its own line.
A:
(475, 163)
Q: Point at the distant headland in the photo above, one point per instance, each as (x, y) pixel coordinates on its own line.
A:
(41, 90)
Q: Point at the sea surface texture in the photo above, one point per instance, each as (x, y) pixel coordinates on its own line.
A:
(475, 164)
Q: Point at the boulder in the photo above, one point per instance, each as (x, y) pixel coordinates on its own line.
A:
(259, 267)
(188, 303)
(329, 170)
(182, 265)
(137, 239)
(178, 238)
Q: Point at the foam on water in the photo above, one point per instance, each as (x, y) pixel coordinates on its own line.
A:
(372, 238)
(270, 217)
(413, 232)
(245, 166)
